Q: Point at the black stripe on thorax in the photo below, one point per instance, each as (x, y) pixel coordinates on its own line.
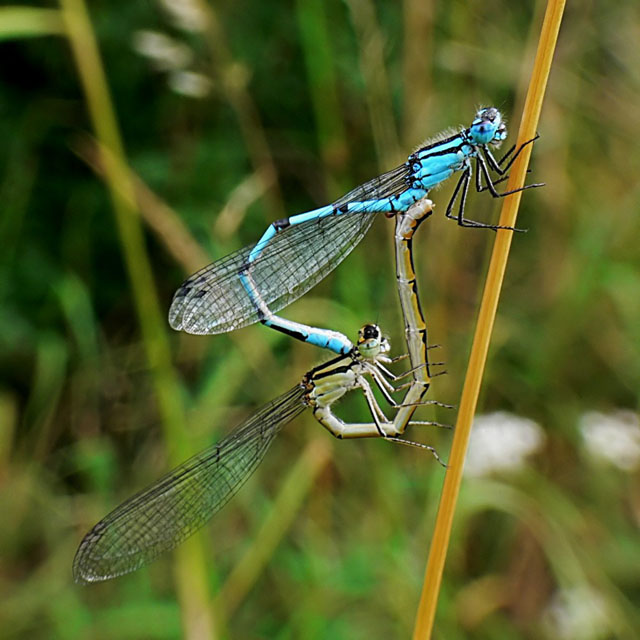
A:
(445, 152)
(331, 372)
(464, 135)
(443, 140)
(330, 363)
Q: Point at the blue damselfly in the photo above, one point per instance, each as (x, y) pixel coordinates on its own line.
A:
(295, 253)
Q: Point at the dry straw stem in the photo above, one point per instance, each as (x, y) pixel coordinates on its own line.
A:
(488, 306)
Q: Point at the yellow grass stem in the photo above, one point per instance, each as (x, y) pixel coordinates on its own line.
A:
(190, 570)
(488, 306)
(296, 486)
(29, 22)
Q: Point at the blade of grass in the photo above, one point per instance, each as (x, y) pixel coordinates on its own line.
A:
(417, 66)
(319, 57)
(234, 80)
(29, 22)
(294, 488)
(159, 216)
(16, 191)
(371, 59)
(52, 356)
(190, 571)
(9, 421)
(486, 318)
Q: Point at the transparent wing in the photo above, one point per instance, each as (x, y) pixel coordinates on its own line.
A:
(213, 300)
(160, 517)
(388, 184)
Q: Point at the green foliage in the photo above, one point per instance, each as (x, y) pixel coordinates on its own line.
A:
(263, 131)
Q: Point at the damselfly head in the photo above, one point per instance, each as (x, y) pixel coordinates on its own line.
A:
(371, 343)
(488, 127)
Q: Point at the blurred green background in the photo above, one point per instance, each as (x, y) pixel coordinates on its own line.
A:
(235, 114)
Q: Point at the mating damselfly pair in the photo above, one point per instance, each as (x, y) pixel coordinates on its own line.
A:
(249, 286)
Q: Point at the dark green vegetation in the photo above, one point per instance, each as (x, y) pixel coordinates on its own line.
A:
(305, 101)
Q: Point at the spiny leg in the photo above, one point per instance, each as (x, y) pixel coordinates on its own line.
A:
(385, 387)
(378, 415)
(482, 165)
(463, 184)
(496, 165)
(463, 187)
(404, 356)
(417, 445)
(395, 377)
(374, 408)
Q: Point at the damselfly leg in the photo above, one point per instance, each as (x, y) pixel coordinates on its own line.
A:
(483, 164)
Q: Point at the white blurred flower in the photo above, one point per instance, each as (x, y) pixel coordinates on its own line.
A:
(188, 15)
(577, 614)
(190, 83)
(500, 442)
(614, 438)
(164, 52)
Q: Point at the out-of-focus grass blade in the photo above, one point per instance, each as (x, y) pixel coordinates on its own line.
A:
(156, 213)
(46, 387)
(9, 420)
(295, 487)
(29, 22)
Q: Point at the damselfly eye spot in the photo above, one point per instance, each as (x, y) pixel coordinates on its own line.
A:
(371, 344)
(370, 331)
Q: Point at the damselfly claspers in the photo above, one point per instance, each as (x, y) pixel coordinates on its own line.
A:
(295, 253)
(160, 517)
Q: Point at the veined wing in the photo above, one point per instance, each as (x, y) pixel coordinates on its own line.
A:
(160, 517)
(214, 300)
(390, 183)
